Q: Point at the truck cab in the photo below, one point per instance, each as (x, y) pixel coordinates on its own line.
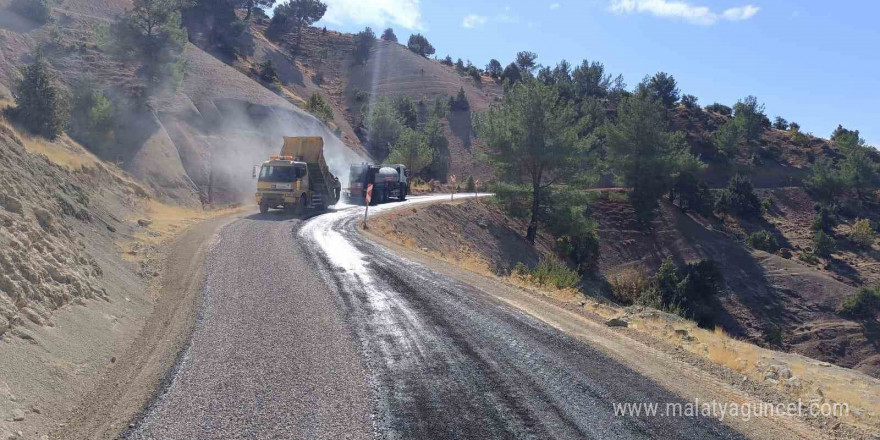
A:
(281, 183)
(297, 179)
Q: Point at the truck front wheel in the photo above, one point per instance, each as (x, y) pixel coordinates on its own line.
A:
(301, 206)
(264, 208)
(403, 193)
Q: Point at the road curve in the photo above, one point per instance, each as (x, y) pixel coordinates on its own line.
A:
(309, 330)
(446, 360)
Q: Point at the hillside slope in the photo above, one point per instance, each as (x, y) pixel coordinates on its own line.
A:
(325, 66)
(208, 134)
(765, 296)
(74, 275)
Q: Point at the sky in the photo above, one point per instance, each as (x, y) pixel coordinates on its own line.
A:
(811, 61)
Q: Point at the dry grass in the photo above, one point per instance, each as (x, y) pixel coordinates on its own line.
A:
(628, 284)
(171, 220)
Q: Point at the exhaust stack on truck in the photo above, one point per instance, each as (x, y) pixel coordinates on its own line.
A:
(298, 178)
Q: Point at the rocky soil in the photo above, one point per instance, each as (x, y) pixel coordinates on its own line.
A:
(44, 261)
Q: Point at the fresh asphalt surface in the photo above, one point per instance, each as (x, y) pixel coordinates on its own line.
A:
(309, 330)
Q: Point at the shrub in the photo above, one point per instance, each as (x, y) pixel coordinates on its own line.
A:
(470, 186)
(361, 95)
(388, 35)
(780, 123)
(475, 75)
(726, 139)
(720, 108)
(739, 198)
(628, 285)
(552, 272)
(685, 291)
(766, 206)
(441, 107)
(763, 240)
(320, 108)
(446, 61)
(825, 180)
(40, 105)
(825, 219)
(92, 118)
(823, 244)
(692, 193)
(863, 304)
(267, 72)
(689, 101)
(37, 10)
(862, 234)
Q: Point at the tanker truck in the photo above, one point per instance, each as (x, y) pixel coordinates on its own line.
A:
(388, 181)
(298, 178)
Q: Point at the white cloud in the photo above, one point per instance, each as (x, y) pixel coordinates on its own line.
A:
(380, 13)
(742, 13)
(701, 15)
(554, 6)
(473, 20)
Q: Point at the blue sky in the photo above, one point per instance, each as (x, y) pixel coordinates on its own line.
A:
(810, 61)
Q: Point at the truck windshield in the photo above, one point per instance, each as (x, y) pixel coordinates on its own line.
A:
(277, 174)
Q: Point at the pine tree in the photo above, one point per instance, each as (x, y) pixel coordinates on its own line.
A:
(40, 105)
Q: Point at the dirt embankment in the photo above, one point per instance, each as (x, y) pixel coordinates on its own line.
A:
(80, 248)
(764, 294)
(465, 230)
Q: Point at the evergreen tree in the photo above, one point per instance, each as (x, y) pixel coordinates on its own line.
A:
(383, 127)
(40, 105)
(388, 35)
(420, 45)
(780, 123)
(526, 61)
(664, 88)
(150, 33)
(411, 149)
(511, 74)
(295, 15)
(532, 136)
(643, 154)
(494, 69)
(407, 111)
(363, 43)
(460, 102)
(749, 116)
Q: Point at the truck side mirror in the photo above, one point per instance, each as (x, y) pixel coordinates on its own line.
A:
(254, 176)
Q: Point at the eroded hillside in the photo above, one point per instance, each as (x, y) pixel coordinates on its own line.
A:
(207, 135)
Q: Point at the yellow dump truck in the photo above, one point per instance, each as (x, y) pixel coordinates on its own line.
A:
(298, 178)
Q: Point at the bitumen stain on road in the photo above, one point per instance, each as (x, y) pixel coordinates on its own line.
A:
(312, 331)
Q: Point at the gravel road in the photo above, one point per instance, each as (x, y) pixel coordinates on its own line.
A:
(309, 330)
(270, 357)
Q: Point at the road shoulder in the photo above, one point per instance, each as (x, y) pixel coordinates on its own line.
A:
(137, 375)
